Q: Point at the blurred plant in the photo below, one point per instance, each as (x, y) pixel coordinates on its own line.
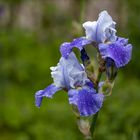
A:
(130, 9)
(85, 89)
(13, 6)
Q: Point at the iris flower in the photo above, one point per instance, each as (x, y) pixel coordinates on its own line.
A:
(70, 76)
(102, 33)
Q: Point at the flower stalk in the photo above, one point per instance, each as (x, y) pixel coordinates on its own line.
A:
(95, 117)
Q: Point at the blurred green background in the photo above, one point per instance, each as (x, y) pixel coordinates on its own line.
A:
(31, 32)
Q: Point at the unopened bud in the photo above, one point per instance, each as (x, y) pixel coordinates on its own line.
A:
(84, 127)
(111, 69)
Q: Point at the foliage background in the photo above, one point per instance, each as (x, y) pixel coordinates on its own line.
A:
(29, 47)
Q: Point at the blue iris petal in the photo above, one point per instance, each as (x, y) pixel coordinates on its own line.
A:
(86, 100)
(119, 51)
(67, 47)
(47, 92)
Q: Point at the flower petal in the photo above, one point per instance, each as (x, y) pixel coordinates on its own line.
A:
(87, 101)
(106, 28)
(119, 51)
(67, 47)
(90, 29)
(73, 96)
(101, 30)
(47, 92)
(69, 73)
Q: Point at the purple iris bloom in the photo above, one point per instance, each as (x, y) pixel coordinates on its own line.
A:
(71, 76)
(119, 51)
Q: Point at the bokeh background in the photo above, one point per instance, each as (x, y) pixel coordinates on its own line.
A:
(31, 32)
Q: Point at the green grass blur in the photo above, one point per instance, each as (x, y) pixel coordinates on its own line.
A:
(25, 59)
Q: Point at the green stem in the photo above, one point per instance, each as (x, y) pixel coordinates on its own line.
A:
(93, 124)
(98, 79)
(95, 117)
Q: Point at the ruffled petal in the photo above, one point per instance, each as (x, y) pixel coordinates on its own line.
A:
(90, 30)
(101, 30)
(105, 28)
(87, 101)
(119, 51)
(69, 73)
(47, 92)
(73, 96)
(67, 47)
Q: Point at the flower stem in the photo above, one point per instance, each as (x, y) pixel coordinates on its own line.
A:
(93, 124)
(98, 79)
(95, 117)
